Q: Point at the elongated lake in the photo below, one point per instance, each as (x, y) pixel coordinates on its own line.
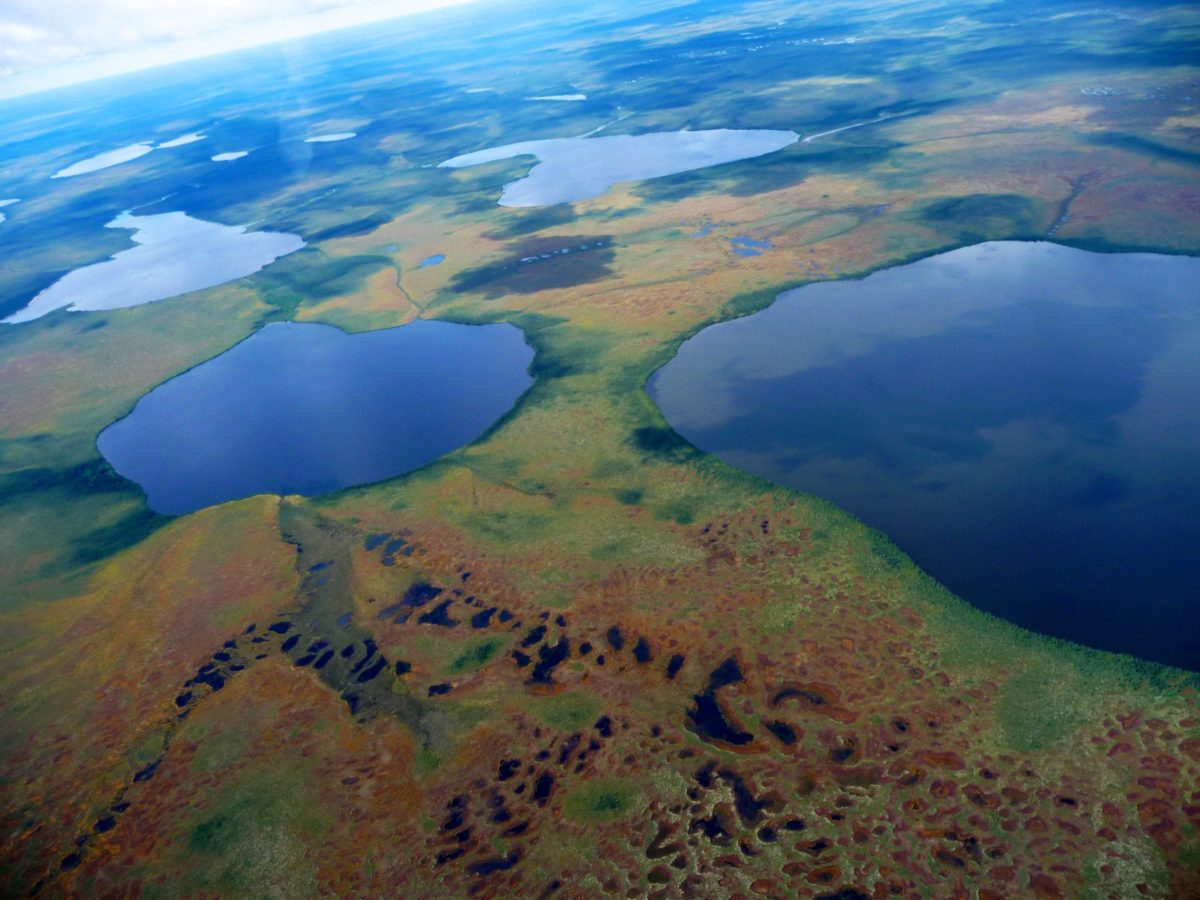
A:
(1023, 419)
(307, 409)
(577, 168)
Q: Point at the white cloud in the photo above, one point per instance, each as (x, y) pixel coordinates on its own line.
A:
(50, 43)
(21, 34)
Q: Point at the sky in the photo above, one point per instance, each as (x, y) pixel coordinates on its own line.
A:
(51, 43)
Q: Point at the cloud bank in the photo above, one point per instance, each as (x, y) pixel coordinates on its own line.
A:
(50, 43)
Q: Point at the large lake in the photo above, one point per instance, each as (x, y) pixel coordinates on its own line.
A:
(571, 169)
(173, 254)
(302, 408)
(1023, 419)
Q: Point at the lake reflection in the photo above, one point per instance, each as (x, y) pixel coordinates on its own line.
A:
(301, 408)
(175, 254)
(571, 169)
(1022, 418)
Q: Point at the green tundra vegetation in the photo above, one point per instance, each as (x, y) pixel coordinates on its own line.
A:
(578, 657)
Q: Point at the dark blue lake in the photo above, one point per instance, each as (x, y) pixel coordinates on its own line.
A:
(1023, 419)
(306, 409)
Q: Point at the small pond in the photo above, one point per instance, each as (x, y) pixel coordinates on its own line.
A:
(174, 254)
(330, 138)
(571, 169)
(744, 245)
(183, 140)
(1023, 419)
(307, 409)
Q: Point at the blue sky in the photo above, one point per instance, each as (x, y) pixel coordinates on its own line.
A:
(50, 43)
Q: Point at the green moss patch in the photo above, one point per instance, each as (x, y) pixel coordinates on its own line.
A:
(1041, 706)
(567, 712)
(600, 800)
(477, 654)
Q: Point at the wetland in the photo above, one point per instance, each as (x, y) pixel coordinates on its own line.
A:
(578, 651)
